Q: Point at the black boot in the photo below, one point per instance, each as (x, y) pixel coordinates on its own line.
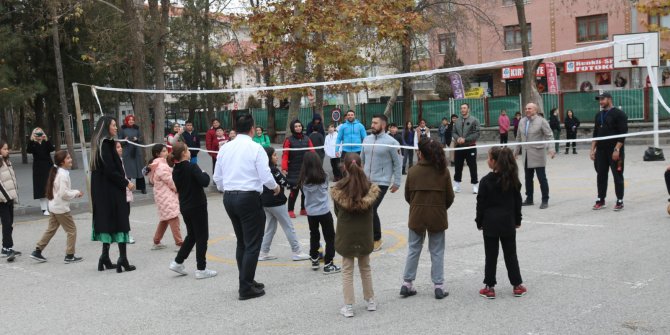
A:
(404, 171)
(574, 151)
(105, 263)
(567, 150)
(122, 263)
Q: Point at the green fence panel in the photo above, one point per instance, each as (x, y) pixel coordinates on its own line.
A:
(510, 104)
(476, 108)
(434, 111)
(281, 116)
(582, 105)
(549, 101)
(630, 101)
(662, 113)
(260, 116)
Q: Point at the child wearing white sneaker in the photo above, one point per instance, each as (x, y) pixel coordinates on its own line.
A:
(276, 211)
(190, 181)
(8, 196)
(59, 194)
(498, 216)
(313, 181)
(353, 198)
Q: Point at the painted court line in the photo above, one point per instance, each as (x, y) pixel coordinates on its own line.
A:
(563, 224)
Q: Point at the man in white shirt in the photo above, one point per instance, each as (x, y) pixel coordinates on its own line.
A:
(240, 172)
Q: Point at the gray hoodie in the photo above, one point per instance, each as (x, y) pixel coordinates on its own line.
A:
(316, 199)
(381, 163)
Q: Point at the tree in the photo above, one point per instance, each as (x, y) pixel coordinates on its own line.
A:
(443, 85)
(529, 92)
(159, 22)
(656, 9)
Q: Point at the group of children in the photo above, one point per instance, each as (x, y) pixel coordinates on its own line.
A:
(180, 189)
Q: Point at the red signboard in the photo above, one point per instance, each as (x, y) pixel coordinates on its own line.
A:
(552, 78)
(589, 65)
(516, 72)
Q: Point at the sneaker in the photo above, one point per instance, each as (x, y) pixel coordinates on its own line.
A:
(37, 255)
(600, 204)
(45, 213)
(71, 259)
(475, 188)
(331, 268)
(527, 202)
(204, 274)
(488, 292)
(519, 291)
(291, 214)
(7, 251)
(372, 305)
(347, 311)
(158, 246)
(11, 256)
(544, 205)
(440, 293)
(300, 256)
(131, 240)
(406, 290)
(303, 212)
(315, 263)
(457, 187)
(377, 245)
(178, 268)
(618, 206)
(264, 256)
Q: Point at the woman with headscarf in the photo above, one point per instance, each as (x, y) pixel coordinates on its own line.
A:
(133, 157)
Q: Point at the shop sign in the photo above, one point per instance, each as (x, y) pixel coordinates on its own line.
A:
(474, 92)
(589, 65)
(516, 72)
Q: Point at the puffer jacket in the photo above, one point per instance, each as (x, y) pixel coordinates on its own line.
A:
(165, 192)
(8, 182)
(353, 237)
(429, 195)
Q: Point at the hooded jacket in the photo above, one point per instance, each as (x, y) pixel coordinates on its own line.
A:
(165, 191)
(350, 133)
(381, 163)
(312, 127)
(353, 236)
(291, 161)
(316, 199)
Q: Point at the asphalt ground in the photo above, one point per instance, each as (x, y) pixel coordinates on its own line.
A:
(586, 272)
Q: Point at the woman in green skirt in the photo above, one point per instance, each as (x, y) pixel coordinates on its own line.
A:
(108, 193)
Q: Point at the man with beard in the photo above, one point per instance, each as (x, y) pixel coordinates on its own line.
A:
(381, 165)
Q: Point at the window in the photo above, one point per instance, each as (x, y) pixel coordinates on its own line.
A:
(446, 41)
(513, 37)
(654, 20)
(592, 28)
(512, 2)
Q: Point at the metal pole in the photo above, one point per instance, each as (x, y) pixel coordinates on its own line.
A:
(82, 141)
(656, 139)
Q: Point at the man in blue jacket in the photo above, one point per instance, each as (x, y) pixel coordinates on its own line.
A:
(382, 166)
(350, 132)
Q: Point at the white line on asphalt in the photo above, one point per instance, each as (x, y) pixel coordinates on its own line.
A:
(563, 224)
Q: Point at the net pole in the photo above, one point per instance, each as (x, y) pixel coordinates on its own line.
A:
(82, 142)
(656, 135)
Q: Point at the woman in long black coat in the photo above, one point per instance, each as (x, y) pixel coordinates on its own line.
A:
(41, 148)
(108, 194)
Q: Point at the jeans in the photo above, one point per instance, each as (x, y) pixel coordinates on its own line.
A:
(246, 213)
(348, 278)
(468, 156)
(407, 155)
(557, 136)
(272, 216)
(376, 223)
(326, 222)
(604, 163)
(7, 220)
(197, 234)
(436, 243)
(541, 177)
(335, 165)
(511, 262)
(56, 220)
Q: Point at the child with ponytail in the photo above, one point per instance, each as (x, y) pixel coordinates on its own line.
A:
(159, 172)
(8, 196)
(429, 194)
(498, 217)
(59, 194)
(354, 198)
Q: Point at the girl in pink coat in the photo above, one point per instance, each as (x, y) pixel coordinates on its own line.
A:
(165, 196)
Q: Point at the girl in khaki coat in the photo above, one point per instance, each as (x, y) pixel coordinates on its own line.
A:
(8, 196)
(354, 198)
(429, 194)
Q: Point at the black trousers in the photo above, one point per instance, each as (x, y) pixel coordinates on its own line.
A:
(376, 224)
(541, 177)
(667, 180)
(293, 197)
(571, 136)
(7, 220)
(491, 249)
(140, 184)
(246, 213)
(197, 234)
(503, 138)
(328, 228)
(335, 165)
(604, 164)
(468, 156)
